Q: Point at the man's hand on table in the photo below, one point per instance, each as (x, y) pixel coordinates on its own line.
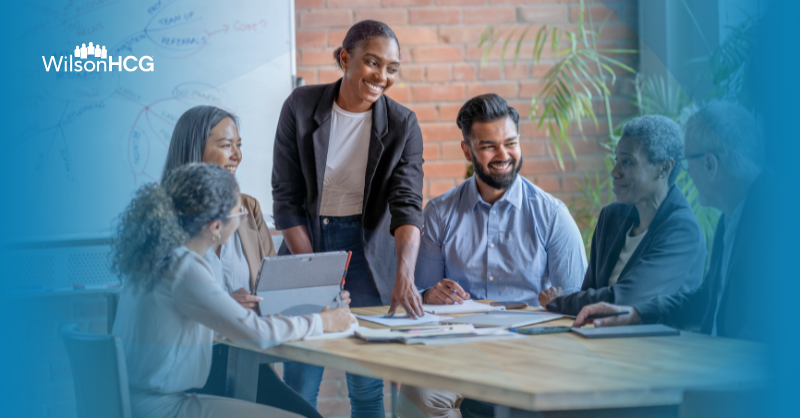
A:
(446, 292)
(631, 318)
(548, 295)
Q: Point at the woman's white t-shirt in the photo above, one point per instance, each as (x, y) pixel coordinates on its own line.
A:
(627, 251)
(346, 166)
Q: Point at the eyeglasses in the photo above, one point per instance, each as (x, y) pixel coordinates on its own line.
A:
(685, 159)
(243, 212)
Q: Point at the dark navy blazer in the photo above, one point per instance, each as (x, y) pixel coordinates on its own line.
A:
(670, 258)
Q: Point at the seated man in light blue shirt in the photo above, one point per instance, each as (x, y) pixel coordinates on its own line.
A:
(495, 236)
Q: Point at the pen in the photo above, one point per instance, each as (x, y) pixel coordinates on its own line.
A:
(254, 290)
(606, 315)
(341, 286)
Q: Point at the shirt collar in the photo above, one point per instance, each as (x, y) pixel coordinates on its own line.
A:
(513, 195)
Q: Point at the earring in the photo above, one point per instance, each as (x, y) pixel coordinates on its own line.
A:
(218, 237)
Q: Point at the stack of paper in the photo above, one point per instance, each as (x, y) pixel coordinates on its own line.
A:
(469, 306)
(436, 335)
(405, 334)
(403, 320)
(479, 335)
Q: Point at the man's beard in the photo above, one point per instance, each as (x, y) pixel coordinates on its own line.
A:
(496, 181)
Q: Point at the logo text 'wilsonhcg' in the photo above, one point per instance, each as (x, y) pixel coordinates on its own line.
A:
(73, 63)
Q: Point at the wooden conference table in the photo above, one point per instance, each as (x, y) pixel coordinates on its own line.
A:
(538, 373)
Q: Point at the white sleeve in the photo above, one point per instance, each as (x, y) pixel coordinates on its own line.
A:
(198, 296)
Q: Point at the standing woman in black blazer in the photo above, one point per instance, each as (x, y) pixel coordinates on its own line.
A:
(347, 176)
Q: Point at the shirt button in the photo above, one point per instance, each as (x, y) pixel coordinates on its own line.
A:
(491, 278)
(491, 245)
(494, 212)
(325, 221)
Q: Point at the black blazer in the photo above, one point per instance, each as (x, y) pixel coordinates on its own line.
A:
(743, 300)
(670, 258)
(393, 187)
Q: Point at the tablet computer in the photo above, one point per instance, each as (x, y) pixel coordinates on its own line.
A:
(647, 330)
(300, 284)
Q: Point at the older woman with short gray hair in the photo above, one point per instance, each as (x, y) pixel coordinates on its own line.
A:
(648, 242)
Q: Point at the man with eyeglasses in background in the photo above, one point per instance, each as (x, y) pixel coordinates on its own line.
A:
(724, 156)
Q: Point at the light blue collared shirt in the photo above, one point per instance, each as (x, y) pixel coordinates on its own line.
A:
(510, 251)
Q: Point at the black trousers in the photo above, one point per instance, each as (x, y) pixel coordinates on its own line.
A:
(271, 389)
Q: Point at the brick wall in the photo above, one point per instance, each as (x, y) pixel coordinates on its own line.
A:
(441, 69)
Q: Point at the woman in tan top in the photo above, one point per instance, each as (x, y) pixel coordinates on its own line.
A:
(209, 134)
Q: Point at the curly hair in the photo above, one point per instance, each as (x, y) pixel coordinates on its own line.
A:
(660, 137)
(163, 217)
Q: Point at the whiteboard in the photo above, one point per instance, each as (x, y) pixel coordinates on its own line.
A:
(89, 140)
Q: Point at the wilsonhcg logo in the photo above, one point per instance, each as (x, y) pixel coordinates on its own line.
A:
(73, 63)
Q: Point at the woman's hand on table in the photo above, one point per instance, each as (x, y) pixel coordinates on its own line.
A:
(336, 320)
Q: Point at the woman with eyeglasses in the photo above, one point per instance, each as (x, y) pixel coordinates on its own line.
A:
(648, 242)
(209, 134)
(172, 305)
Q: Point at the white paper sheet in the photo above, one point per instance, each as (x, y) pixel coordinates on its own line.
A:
(469, 306)
(403, 320)
(485, 334)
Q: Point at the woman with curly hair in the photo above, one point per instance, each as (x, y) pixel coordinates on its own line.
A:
(172, 304)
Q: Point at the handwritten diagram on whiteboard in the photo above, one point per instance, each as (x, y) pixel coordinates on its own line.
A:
(92, 138)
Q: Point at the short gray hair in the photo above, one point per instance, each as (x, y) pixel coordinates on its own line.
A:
(661, 139)
(732, 134)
